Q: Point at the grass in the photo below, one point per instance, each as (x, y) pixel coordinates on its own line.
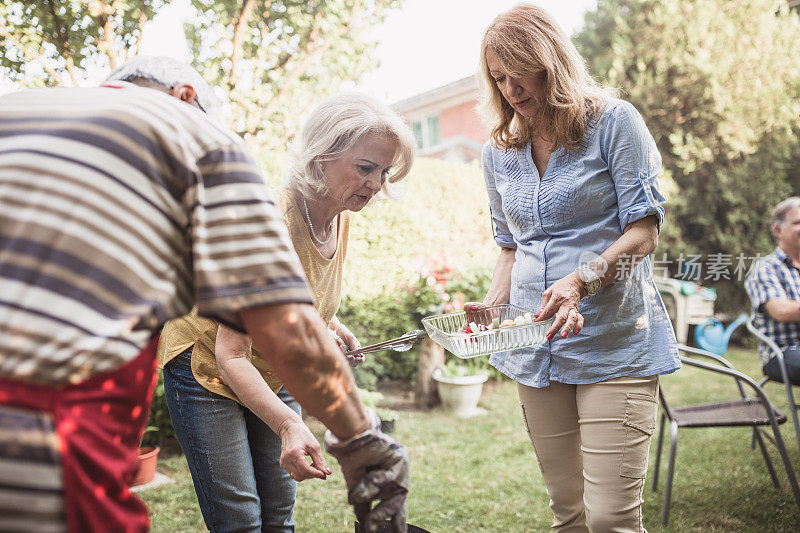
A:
(480, 475)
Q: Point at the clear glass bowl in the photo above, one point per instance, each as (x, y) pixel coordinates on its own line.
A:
(445, 330)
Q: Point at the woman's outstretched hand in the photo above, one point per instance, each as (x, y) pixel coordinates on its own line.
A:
(561, 300)
(297, 445)
(479, 314)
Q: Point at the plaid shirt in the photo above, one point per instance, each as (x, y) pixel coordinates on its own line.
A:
(774, 277)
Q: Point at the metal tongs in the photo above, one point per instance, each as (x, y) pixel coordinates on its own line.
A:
(400, 344)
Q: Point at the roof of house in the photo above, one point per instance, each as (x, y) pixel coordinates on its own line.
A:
(463, 86)
(452, 144)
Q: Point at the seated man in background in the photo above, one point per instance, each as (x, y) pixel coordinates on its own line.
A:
(773, 285)
(122, 207)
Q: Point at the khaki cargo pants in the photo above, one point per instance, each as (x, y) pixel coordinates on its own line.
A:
(592, 443)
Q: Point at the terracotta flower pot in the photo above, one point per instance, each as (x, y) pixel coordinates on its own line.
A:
(148, 458)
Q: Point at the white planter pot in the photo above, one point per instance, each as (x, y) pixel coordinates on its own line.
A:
(461, 393)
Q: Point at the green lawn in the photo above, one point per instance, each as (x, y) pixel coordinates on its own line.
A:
(480, 475)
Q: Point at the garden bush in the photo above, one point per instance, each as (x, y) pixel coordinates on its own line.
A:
(159, 428)
(718, 84)
(437, 287)
(377, 318)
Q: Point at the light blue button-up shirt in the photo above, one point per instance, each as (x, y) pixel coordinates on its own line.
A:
(578, 208)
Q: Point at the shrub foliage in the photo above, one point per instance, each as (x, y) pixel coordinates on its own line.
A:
(718, 85)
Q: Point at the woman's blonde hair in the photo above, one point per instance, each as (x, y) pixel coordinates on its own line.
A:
(527, 40)
(335, 126)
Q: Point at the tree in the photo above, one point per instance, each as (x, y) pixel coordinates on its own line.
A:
(718, 85)
(276, 57)
(53, 42)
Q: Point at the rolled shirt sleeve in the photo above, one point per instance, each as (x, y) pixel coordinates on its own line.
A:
(502, 235)
(242, 254)
(634, 164)
(763, 284)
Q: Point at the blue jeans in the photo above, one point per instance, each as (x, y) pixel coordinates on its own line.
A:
(791, 358)
(233, 456)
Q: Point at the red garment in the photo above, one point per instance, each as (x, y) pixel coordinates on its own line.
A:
(99, 423)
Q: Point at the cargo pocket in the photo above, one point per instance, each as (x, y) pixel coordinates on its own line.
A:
(639, 422)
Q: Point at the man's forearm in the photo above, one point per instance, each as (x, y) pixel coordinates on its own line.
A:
(296, 343)
(783, 309)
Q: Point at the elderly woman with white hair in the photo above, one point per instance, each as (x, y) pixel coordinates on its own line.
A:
(236, 423)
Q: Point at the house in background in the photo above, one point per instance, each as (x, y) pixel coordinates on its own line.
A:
(445, 122)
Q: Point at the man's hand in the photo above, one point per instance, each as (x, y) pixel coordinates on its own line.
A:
(375, 467)
(297, 445)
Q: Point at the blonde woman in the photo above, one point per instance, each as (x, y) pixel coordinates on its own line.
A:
(241, 432)
(572, 177)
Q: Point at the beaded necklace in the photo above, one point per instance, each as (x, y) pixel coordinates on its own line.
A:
(311, 227)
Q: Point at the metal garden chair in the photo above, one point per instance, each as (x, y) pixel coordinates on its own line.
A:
(756, 412)
(778, 354)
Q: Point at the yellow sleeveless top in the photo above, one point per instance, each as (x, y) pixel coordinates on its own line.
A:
(324, 275)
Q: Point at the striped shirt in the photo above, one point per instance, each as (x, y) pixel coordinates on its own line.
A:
(774, 277)
(122, 207)
(29, 461)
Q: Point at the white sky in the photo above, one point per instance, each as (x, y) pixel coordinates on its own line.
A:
(426, 44)
(430, 43)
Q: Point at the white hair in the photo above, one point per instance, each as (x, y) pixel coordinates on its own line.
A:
(167, 73)
(334, 127)
(780, 211)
